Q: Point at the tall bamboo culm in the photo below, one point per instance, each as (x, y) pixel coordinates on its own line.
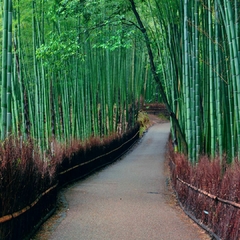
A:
(203, 71)
(70, 79)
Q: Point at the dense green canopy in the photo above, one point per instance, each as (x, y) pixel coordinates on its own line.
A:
(77, 70)
(81, 68)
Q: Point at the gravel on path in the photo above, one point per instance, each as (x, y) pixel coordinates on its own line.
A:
(128, 200)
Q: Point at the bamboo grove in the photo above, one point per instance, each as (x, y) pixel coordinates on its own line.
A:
(76, 71)
(79, 68)
(198, 46)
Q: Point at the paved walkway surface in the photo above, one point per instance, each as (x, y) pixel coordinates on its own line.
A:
(128, 200)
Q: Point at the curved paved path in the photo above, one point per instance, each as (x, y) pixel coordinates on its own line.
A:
(127, 200)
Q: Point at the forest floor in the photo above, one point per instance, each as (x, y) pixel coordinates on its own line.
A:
(128, 200)
(156, 119)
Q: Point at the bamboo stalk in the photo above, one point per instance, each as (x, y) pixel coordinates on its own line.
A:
(4, 70)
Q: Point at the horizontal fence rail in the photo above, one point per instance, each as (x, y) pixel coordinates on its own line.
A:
(100, 156)
(20, 212)
(156, 109)
(193, 209)
(213, 197)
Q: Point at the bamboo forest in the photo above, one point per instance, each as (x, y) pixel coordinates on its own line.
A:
(77, 70)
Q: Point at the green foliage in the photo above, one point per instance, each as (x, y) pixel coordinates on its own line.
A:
(121, 38)
(163, 117)
(59, 49)
(79, 69)
(143, 121)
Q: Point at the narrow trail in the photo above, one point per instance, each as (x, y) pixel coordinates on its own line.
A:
(128, 200)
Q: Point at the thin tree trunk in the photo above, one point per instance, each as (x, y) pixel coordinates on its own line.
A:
(9, 69)
(4, 71)
(155, 75)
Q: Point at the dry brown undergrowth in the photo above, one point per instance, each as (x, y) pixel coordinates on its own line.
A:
(214, 177)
